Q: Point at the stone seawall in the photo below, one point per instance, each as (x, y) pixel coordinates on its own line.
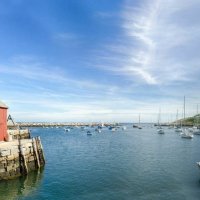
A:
(18, 134)
(18, 157)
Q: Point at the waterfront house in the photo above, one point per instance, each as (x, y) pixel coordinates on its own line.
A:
(3, 121)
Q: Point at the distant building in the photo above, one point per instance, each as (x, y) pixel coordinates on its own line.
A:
(3, 121)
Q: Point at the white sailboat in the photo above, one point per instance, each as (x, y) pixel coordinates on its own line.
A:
(159, 129)
(185, 132)
(196, 129)
(139, 126)
(177, 128)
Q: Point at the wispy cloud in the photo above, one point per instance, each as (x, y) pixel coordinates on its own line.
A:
(33, 69)
(159, 37)
(150, 60)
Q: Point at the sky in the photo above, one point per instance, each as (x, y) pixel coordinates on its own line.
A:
(99, 60)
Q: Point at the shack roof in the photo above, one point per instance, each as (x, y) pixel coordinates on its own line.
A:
(3, 105)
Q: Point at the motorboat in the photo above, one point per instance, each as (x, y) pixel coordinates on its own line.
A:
(89, 133)
(112, 128)
(67, 129)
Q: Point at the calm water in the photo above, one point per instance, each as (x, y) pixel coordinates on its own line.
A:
(130, 164)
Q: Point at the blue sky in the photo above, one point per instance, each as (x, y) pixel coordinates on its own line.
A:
(99, 60)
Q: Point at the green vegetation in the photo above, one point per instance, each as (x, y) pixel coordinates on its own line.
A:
(190, 121)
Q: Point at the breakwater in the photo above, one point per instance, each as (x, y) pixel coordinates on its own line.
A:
(54, 124)
(19, 157)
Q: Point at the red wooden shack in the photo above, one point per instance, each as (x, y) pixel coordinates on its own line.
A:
(3, 122)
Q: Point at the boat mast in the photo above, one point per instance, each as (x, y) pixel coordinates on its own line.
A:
(159, 117)
(139, 119)
(184, 109)
(177, 118)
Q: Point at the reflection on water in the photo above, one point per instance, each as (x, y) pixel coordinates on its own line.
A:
(21, 186)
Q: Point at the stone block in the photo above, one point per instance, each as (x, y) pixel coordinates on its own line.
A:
(32, 165)
(11, 157)
(2, 165)
(2, 159)
(5, 152)
(10, 162)
(9, 167)
(2, 170)
(14, 151)
(31, 158)
(16, 165)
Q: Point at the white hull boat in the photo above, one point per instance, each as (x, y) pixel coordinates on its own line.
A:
(186, 134)
(160, 131)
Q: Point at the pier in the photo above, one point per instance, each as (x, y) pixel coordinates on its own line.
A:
(19, 153)
(19, 157)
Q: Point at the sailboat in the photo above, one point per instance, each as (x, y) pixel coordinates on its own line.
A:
(196, 129)
(159, 129)
(139, 127)
(185, 132)
(177, 129)
(198, 164)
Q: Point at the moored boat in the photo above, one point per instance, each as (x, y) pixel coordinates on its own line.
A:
(186, 134)
(89, 133)
(67, 129)
(160, 130)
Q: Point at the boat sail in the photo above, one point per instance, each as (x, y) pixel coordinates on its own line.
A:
(185, 132)
(196, 129)
(139, 126)
(178, 128)
(159, 129)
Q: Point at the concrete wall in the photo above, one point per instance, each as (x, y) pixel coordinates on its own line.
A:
(20, 157)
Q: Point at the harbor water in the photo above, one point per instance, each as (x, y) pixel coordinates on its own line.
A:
(121, 165)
